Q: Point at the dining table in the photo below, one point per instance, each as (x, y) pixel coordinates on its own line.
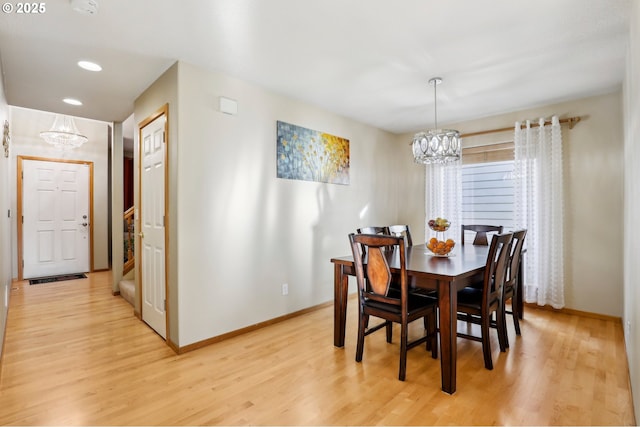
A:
(446, 274)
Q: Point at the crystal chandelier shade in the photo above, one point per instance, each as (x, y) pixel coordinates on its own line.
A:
(64, 134)
(436, 145)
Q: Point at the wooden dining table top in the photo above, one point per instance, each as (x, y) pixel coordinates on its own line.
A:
(464, 260)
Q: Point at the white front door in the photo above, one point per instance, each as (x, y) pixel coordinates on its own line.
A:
(152, 218)
(55, 215)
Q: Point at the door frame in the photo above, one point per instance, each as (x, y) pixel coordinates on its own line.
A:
(19, 209)
(164, 110)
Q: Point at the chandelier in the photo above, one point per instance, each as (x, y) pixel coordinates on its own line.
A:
(436, 145)
(63, 134)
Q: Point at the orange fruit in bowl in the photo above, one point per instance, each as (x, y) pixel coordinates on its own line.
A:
(440, 247)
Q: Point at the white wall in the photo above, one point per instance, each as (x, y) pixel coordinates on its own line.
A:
(242, 232)
(5, 222)
(26, 127)
(593, 162)
(631, 318)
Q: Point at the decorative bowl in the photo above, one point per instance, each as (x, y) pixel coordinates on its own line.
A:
(440, 247)
(439, 228)
(439, 224)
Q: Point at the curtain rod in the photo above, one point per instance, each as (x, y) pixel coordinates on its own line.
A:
(571, 120)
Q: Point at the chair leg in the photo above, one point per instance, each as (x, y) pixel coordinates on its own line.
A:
(389, 327)
(515, 313)
(516, 322)
(362, 325)
(486, 342)
(403, 352)
(501, 326)
(433, 333)
(427, 330)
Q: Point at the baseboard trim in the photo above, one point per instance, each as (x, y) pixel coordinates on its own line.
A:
(251, 328)
(573, 312)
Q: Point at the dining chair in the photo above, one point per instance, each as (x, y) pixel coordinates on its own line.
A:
(401, 231)
(481, 233)
(478, 305)
(510, 289)
(377, 298)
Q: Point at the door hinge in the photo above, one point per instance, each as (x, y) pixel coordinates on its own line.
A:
(23, 219)
(165, 305)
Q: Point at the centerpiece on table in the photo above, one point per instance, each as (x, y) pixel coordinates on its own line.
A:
(437, 245)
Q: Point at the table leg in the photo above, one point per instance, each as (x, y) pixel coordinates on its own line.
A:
(340, 294)
(447, 305)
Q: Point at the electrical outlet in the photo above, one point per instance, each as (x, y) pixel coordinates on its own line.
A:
(285, 289)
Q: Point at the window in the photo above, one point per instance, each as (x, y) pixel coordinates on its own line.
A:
(488, 194)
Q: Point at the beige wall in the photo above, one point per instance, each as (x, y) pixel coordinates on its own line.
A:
(631, 318)
(593, 161)
(26, 127)
(5, 222)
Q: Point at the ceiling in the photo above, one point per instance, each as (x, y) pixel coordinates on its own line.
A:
(369, 60)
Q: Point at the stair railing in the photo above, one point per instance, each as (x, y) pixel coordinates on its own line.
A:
(129, 238)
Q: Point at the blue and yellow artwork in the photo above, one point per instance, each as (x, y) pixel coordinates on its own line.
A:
(309, 155)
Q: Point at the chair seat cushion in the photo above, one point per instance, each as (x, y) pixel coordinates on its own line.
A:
(471, 297)
(416, 302)
(477, 285)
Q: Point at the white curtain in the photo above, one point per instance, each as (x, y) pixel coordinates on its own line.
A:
(443, 196)
(539, 208)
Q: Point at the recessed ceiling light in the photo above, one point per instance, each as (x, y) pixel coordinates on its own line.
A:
(88, 65)
(72, 101)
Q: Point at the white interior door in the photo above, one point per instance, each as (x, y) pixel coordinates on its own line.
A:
(152, 216)
(55, 215)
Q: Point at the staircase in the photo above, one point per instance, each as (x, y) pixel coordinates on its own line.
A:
(127, 284)
(128, 291)
(129, 257)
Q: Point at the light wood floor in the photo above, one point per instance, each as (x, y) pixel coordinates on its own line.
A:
(75, 355)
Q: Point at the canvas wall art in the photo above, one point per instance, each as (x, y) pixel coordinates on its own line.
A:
(310, 155)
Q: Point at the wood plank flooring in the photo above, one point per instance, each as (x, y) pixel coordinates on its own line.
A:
(75, 355)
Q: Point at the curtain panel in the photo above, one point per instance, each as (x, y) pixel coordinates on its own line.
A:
(443, 198)
(538, 181)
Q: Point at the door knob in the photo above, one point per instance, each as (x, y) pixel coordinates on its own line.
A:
(84, 224)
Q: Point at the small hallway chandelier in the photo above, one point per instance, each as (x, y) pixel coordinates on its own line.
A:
(436, 145)
(64, 134)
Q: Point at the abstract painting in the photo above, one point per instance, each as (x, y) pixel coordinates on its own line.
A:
(310, 155)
